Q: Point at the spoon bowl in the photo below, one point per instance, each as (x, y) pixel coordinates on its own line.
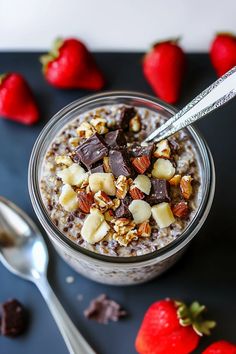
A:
(24, 253)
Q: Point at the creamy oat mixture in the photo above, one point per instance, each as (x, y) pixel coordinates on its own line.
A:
(111, 195)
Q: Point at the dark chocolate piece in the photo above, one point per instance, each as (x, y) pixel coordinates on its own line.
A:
(13, 321)
(104, 310)
(119, 163)
(159, 191)
(97, 167)
(115, 139)
(127, 113)
(123, 210)
(91, 150)
(138, 150)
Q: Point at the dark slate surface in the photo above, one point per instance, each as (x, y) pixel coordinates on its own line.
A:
(207, 270)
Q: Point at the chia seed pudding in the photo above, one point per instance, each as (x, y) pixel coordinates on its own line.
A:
(110, 194)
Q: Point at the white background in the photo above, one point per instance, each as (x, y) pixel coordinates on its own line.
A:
(127, 25)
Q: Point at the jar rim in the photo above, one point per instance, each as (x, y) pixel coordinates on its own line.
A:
(162, 253)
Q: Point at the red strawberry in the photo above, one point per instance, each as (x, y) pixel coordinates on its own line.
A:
(171, 327)
(16, 99)
(221, 347)
(223, 53)
(164, 68)
(71, 65)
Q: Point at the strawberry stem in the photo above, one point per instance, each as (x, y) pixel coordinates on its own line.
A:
(170, 40)
(193, 316)
(2, 77)
(45, 59)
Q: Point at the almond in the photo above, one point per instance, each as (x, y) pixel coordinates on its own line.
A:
(106, 165)
(103, 201)
(181, 209)
(174, 181)
(186, 187)
(136, 193)
(85, 201)
(144, 229)
(141, 163)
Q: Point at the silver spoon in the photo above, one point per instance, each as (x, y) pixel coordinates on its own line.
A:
(217, 94)
(24, 252)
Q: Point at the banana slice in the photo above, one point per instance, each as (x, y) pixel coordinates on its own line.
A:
(140, 210)
(95, 227)
(102, 182)
(73, 175)
(163, 215)
(68, 198)
(143, 183)
(163, 169)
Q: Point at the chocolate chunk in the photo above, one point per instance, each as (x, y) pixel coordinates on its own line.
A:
(119, 163)
(123, 210)
(115, 138)
(159, 191)
(138, 150)
(13, 321)
(97, 167)
(127, 113)
(104, 310)
(91, 150)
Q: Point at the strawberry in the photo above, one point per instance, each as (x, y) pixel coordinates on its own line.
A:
(171, 327)
(71, 65)
(221, 347)
(164, 68)
(223, 53)
(16, 99)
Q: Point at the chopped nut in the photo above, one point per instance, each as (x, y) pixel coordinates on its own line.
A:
(163, 169)
(116, 203)
(125, 239)
(74, 141)
(135, 124)
(125, 231)
(181, 209)
(64, 160)
(109, 215)
(140, 210)
(106, 165)
(143, 183)
(102, 182)
(85, 201)
(99, 124)
(144, 229)
(68, 198)
(103, 201)
(162, 149)
(74, 175)
(85, 130)
(174, 181)
(95, 227)
(122, 186)
(136, 193)
(163, 215)
(141, 163)
(186, 187)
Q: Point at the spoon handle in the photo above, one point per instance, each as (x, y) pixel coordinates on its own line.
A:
(217, 94)
(75, 342)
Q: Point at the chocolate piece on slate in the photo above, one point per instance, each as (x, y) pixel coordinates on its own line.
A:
(138, 150)
(104, 310)
(123, 210)
(115, 138)
(97, 167)
(127, 113)
(119, 163)
(91, 150)
(13, 321)
(159, 191)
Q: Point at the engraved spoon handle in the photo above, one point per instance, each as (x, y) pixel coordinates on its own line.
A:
(217, 94)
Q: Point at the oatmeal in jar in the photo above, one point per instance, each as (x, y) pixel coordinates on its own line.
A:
(110, 194)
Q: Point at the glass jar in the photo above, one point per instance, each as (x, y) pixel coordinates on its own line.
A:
(103, 268)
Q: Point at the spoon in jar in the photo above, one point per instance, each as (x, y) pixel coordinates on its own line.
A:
(217, 94)
(24, 253)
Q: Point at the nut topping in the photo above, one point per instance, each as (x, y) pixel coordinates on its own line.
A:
(141, 163)
(122, 186)
(85, 201)
(181, 209)
(186, 187)
(144, 229)
(136, 193)
(162, 149)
